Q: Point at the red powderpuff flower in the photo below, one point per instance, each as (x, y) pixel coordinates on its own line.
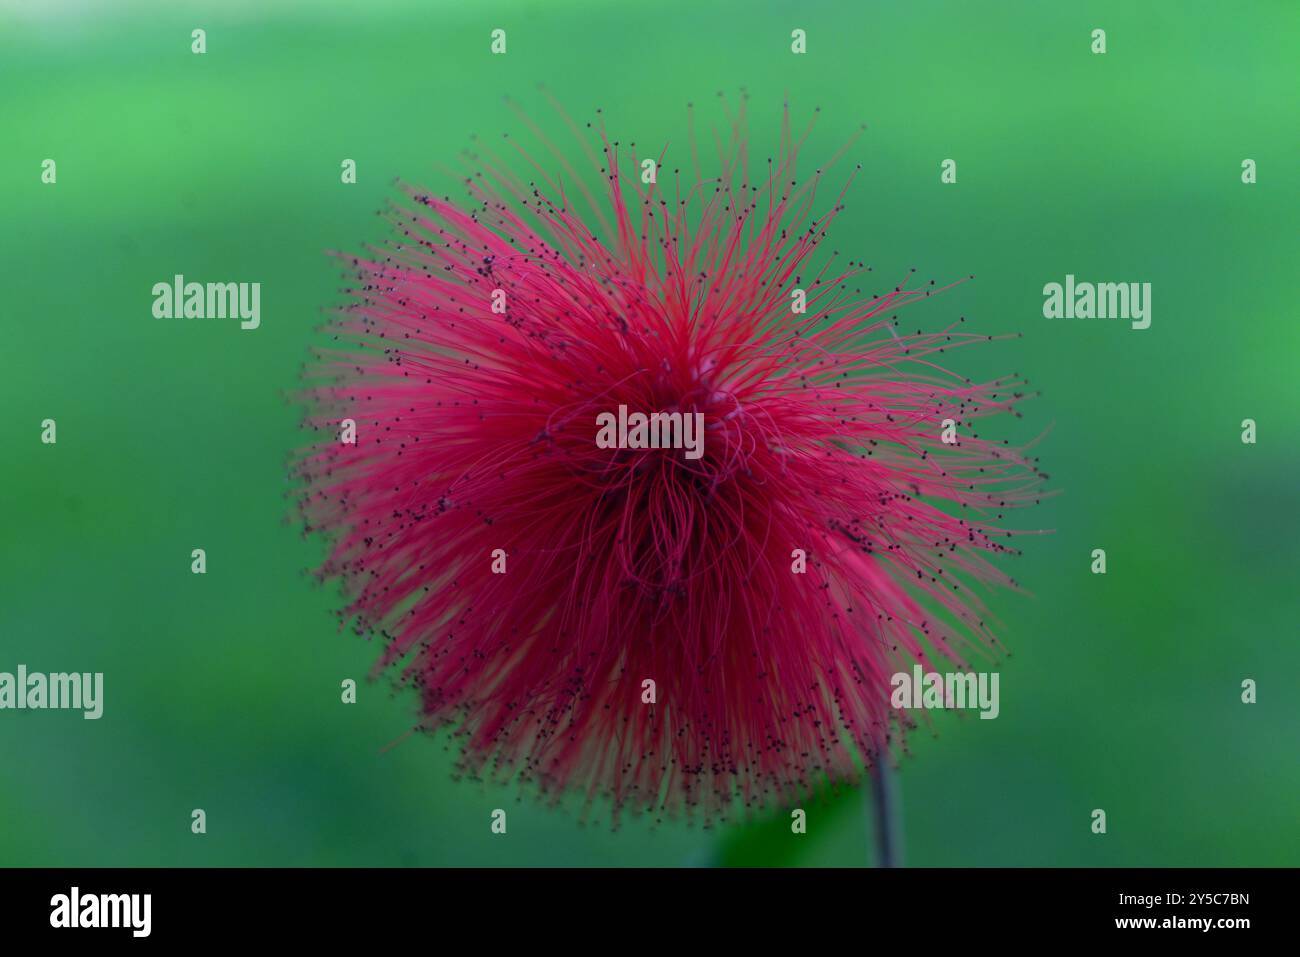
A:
(531, 583)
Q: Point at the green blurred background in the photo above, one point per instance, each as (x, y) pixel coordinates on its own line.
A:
(222, 691)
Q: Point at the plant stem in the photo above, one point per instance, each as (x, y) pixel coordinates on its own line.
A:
(886, 813)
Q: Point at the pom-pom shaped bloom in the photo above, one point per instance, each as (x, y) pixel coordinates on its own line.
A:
(668, 630)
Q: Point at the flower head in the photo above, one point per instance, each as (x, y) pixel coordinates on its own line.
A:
(633, 623)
